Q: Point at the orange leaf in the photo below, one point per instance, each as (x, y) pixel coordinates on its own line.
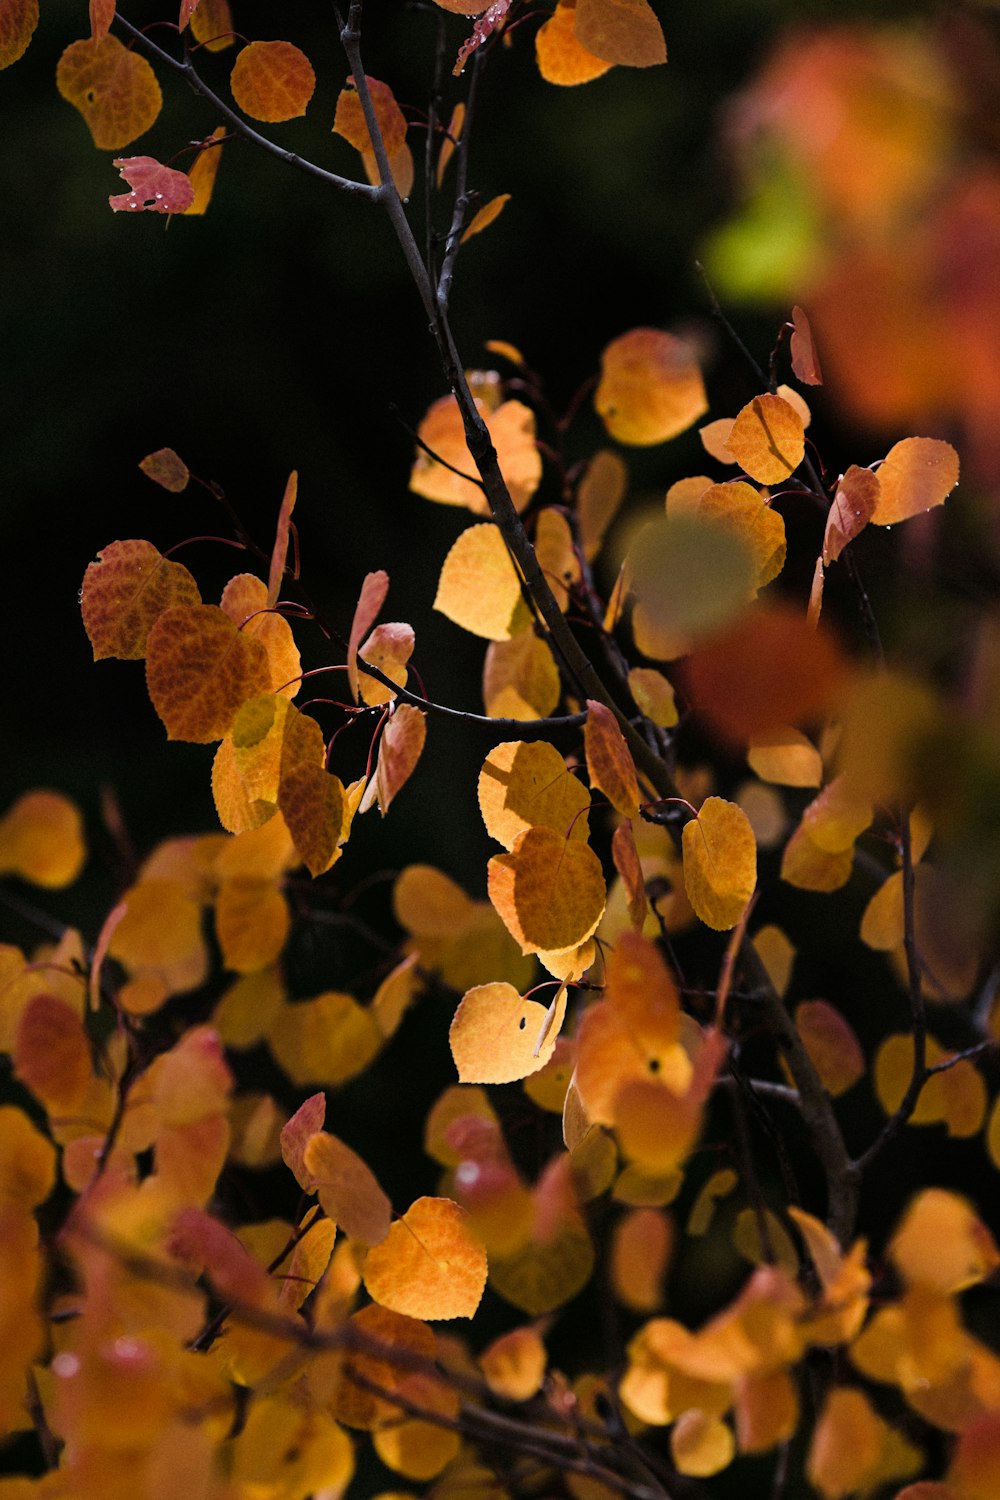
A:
(52, 1055)
(27, 1160)
(114, 89)
(514, 1364)
(609, 762)
(640, 1251)
(832, 1044)
(252, 923)
(942, 1244)
(272, 81)
(629, 867)
(742, 510)
(298, 1131)
(328, 1040)
(381, 1350)
(548, 890)
(279, 552)
(917, 474)
(651, 387)
(562, 58)
(125, 592)
(311, 798)
(370, 601)
(18, 19)
(768, 439)
(41, 840)
(768, 670)
(625, 32)
(485, 216)
(479, 588)
(199, 669)
(525, 784)
(714, 437)
(212, 25)
(244, 600)
(431, 1265)
(400, 748)
(556, 554)
(701, 1444)
(389, 648)
(810, 868)
(166, 469)
(152, 186)
(349, 120)
(520, 678)
(853, 506)
(720, 863)
(347, 1188)
(805, 360)
(512, 429)
(498, 1037)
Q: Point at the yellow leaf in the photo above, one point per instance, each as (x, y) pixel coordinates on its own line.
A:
(479, 588)
(520, 678)
(485, 216)
(609, 761)
(498, 1037)
(651, 387)
(720, 863)
(768, 439)
(942, 1244)
(526, 784)
(787, 757)
(701, 1444)
(917, 474)
(549, 890)
(41, 840)
(347, 1188)
(431, 1265)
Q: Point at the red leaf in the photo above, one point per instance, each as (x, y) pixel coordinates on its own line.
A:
(154, 186)
(805, 360)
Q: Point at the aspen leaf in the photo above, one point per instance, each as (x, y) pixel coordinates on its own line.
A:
(777, 955)
(806, 865)
(802, 345)
(431, 1265)
(298, 1131)
(272, 81)
(537, 1277)
(714, 439)
(41, 840)
(512, 429)
(327, 1040)
(414, 1447)
(846, 1445)
(556, 554)
(479, 588)
(349, 120)
(52, 1055)
(380, 1354)
(520, 678)
(654, 696)
(832, 1044)
(162, 190)
(942, 1244)
(279, 552)
(626, 859)
(347, 1188)
(429, 904)
(690, 575)
(514, 1364)
(27, 1160)
(526, 784)
(311, 798)
(245, 601)
(640, 1252)
(547, 1088)
(609, 762)
(252, 922)
(309, 1262)
(882, 923)
(701, 1444)
(853, 506)
(370, 601)
(114, 89)
(599, 497)
(835, 819)
(720, 863)
(651, 387)
(719, 1185)
(748, 1241)
(165, 468)
(561, 56)
(685, 494)
(389, 647)
(124, 593)
(160, 935)
(485, 216)
(548, 890)
(400, 748)
(768, 439)
(955, 1098)
(742, 510)
(498, 1037)
(394, 996)
(18, 19)
(624, 32)
(917, 474)
(199, 669)
(787, 757)
(204, 170)
(766, 671)
(212, 25)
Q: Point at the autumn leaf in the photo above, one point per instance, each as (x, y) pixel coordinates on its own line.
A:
(527, 783)
(520, 678)
(114, 89)
(549, 890)
(479, 587)
(609, 762)
(272, 81)
(370, 601)
(651, 387)
(625, 32)
(511, 427)
(917, 474)
(153, 186)
(720, 862)
(18, 19)
(767, 439)
(498, 1037)
(485, 216)
(690, 575)
(805, 360)
(296, 1133)
(853, 506)
(200, 668)
(349, 120)
(212, 25)
(400, 748)
(431, 1265)
(562, 58)
(347, 1188)
(279, 552)
(125, 592)
(165, 468)
(832, 1045)
(41, 840)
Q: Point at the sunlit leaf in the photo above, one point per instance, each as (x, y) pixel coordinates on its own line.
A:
(125, 592)
(787, 757)
(654, 696)
(498, 1037)
(514, 1364)
(520, 678)
(400, 748)
(479, 588)
(527, 783)
(244, 600)
(625, 32)
(917, 474)
(327, 1040)
(629, 866)
(745, 512)
(562, 58)
(165, 468)
(599, 495)
(41, 840)
(389, 648)
(152, 186)
(349, 120)
(272, 81)
(114, 89)
(767, 439)
(690, 575)
(348, 1189)
(512, 429)
(431, 1265)
(720, 862)
(651, 387)
(549, 890)
(714, 436)
(199, 669)
(853, 506)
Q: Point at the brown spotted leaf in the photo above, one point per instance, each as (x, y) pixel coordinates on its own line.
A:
(125, 592)
(18, 19)
(200, 669)
(549, 890)
(310, 797)
(114, 89)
